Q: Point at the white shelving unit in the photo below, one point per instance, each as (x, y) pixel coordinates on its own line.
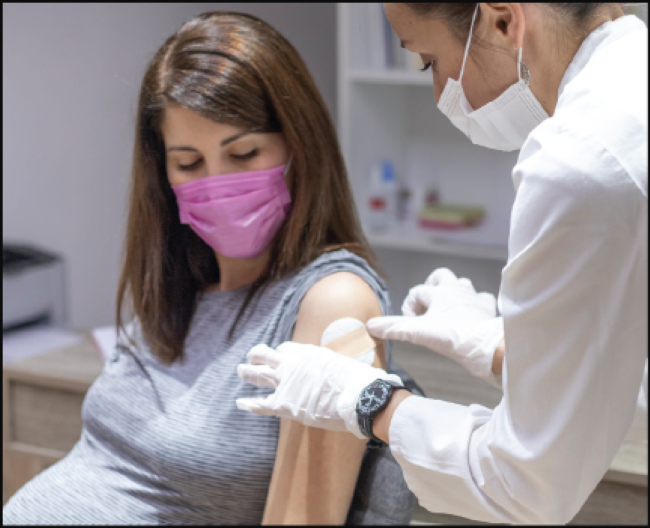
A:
(392, 114)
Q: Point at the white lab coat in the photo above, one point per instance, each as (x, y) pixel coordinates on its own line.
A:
(574, 299)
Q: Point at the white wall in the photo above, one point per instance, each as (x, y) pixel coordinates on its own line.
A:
(639, 9)
(71, 74)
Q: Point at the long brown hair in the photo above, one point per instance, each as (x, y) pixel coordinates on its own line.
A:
(237, 70)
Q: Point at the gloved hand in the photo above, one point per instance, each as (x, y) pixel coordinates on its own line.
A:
(446, 315)
(313, 385)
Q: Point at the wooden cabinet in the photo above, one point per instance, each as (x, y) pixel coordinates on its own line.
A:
(42, 399)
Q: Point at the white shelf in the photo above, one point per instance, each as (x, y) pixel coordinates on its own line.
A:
(406, 78)
(391, 114)
(462, 243)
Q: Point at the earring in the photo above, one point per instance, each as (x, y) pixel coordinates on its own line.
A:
(524, 72)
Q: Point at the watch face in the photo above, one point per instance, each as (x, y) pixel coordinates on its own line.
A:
(372, 397)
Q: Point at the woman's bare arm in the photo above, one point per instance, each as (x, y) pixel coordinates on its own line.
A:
(316, 470)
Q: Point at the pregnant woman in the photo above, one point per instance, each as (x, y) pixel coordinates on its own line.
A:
(241, 230)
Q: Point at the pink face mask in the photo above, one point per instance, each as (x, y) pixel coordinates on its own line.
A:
(236, 214)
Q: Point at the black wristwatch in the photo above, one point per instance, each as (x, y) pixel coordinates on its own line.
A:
(372, 400)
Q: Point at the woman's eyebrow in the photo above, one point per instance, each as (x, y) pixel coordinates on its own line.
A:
(190, 149)
(223, 143)
(233, 138)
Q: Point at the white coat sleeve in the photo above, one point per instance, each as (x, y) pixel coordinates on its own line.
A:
(574, 302)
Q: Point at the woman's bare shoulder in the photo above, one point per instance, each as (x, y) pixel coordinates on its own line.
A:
(341, 294)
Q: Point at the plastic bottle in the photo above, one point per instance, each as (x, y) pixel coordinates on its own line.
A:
(432, 197)
(390, 191)
(408, 197)
(381, 213)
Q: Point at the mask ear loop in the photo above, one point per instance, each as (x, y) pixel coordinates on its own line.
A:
(471, 29)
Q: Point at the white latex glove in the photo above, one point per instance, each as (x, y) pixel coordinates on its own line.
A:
(313, 385)
(446, 315)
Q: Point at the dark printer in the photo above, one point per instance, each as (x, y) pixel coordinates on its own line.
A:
(32, 288)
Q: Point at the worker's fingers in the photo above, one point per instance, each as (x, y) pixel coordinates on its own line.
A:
(440, 276)
(393, 327)
(417, 301)
(291, 349)
(466, 283)
(254, 405)
(489, 302)
(263, 355)
(260, 375)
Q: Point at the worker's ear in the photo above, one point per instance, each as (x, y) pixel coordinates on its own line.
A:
(504, 23)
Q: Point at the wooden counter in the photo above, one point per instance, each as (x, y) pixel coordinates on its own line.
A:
(42, 397)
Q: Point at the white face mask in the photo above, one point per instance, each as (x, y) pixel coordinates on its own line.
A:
(503, 124)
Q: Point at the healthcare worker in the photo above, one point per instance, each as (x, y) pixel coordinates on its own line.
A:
(568, 85)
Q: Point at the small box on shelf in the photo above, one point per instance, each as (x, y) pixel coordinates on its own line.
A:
(450, 217)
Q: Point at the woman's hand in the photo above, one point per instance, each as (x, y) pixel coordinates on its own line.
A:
(448, 316)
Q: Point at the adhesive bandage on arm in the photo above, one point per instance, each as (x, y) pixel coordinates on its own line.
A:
(348, 336)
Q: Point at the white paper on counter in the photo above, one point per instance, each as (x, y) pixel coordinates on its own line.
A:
(106, 338)
(21, 344)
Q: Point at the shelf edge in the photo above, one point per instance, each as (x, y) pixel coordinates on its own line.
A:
(388, 77)
(460, 250)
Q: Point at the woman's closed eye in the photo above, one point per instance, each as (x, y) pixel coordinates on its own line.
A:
(246, 156)
(189, 167)
(238, 157)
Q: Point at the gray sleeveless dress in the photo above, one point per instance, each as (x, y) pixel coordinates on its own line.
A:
(167, 445)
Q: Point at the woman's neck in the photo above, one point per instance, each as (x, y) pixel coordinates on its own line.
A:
(237, 272)
(554, 55)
